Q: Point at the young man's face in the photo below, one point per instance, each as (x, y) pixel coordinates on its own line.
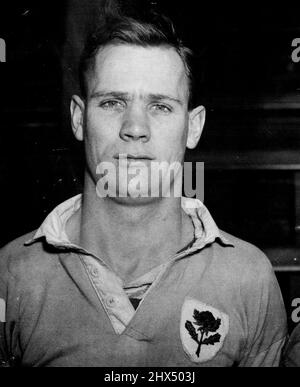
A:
(136, 105)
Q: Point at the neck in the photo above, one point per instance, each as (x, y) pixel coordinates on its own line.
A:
(132, 237)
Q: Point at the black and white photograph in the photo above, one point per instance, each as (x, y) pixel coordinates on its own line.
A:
(150, 187)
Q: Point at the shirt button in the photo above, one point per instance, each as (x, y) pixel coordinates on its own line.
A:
(110, 301)
(94, 271)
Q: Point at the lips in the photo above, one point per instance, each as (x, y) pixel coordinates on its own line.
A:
(134, 157)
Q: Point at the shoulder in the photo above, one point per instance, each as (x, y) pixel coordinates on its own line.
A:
(295, 336)
(246, 253)
(18, 258)
(243, 261)
(14, 248)
(291, 355)
(17, 244)
(248, 273)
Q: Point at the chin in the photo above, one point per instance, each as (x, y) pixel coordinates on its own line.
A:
(134, 202)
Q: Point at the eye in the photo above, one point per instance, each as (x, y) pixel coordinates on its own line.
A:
(114, 105)
(161, 108)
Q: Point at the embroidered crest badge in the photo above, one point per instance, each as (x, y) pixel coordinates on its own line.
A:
(202, 330)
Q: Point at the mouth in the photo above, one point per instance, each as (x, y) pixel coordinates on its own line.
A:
(133, 157)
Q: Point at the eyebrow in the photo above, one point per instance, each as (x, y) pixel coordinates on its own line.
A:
(119, 94)
(113, 94)
(162, 97)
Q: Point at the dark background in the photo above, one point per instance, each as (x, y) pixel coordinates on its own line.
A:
(244, 76)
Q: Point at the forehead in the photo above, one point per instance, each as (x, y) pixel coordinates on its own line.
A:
(129, 68)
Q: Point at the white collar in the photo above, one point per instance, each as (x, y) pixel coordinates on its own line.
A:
(53, 229)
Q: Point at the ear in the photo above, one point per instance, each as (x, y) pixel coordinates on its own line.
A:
(77, 109)
(196, 125)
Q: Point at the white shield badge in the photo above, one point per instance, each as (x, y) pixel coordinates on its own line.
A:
(202, 330)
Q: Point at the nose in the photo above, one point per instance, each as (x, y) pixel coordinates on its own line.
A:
(135, 125)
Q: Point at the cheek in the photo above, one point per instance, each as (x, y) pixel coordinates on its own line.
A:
(100, 137)
(172, 139)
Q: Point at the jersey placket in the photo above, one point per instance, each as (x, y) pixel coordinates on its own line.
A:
(109, 289)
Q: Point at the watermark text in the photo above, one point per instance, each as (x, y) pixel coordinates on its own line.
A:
(150, 179)
(296, 311)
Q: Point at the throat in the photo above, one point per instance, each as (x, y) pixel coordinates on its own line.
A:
(134, 240)
(135, 253)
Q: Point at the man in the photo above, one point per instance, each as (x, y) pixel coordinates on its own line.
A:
(120, 277)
